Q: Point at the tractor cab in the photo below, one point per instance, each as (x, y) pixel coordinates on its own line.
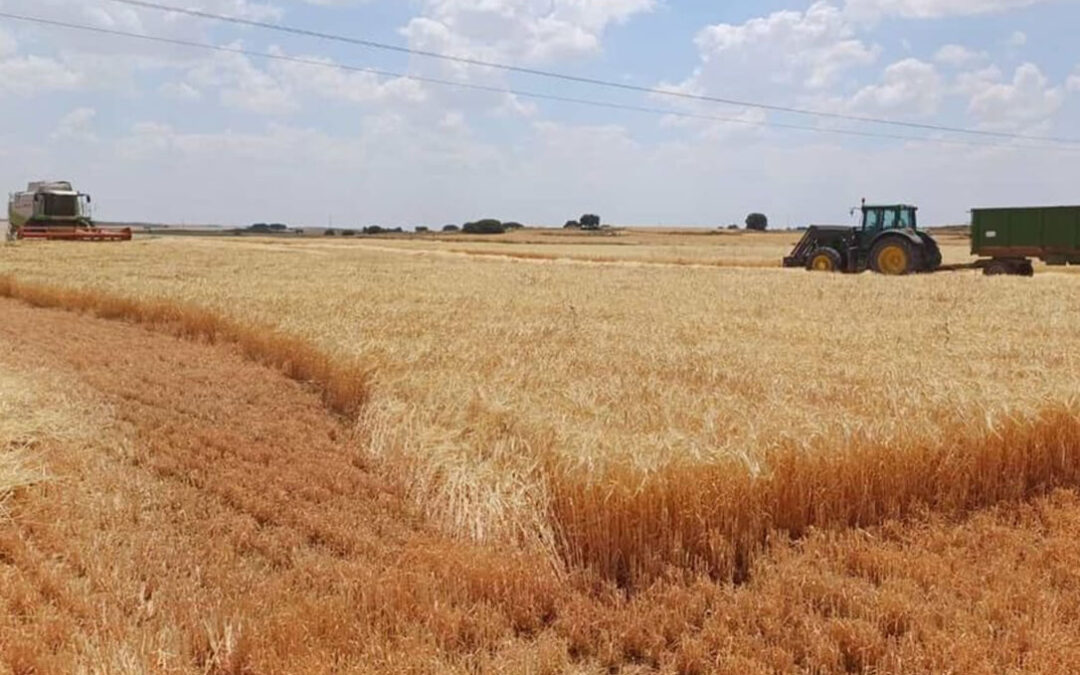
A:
(876, 219)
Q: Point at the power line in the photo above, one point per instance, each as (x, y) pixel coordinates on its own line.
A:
(372, 44)
(514, 92)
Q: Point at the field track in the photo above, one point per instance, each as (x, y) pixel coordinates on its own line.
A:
(550, 258)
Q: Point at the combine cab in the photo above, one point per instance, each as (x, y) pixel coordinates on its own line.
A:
(888, 242)
(54, 211)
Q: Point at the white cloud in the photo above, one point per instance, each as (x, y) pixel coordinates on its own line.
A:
(8, 46)
(393, 139)
(77, 125)
(285, 87)
(241, 85)
(113, 15)
(809, 49)
(908, 86)
(345, 85)
(373, 174)
(180, 91)
(958, 56)
(932, 9)
(526, 31)
(1073, 83)
(1017, 39)
(514, 106)
(1027, 101)
(34, 76)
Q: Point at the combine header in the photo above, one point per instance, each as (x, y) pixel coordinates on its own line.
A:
(52, 210)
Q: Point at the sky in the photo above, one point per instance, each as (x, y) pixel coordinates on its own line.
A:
(179, 134)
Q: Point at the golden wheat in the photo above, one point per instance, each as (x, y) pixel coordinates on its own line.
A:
(630, 417)
(659, 426)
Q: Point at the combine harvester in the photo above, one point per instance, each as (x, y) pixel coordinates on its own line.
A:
(889, 242)
(52, 210)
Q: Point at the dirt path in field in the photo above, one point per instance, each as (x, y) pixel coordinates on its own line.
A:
(555, 258)
(537, 258)
(224, 521)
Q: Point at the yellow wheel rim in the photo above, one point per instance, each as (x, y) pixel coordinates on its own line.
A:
(821, 263)
(892, 259)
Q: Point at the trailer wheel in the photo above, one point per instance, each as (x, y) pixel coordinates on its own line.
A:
(999, 267)
(824, 259)
(893, 256)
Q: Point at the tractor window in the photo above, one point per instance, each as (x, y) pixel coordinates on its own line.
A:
(904, 219)
(873, 220)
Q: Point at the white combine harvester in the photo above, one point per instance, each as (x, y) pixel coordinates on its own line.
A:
(53, 210)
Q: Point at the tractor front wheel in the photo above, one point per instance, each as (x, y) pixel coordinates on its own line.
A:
(824, 259)
(893, 256)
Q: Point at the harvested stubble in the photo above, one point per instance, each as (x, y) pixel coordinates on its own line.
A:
(24, 421)
(172, 543)
(633, 418)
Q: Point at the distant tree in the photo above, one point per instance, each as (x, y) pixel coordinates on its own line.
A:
(513, 226)
(757, 221)
(733, 226)
(278, 227)
(348, 233)
(572, 225)
(451, 228)
(330, 232)
(373, 229)
(421, 229)
(590, 221)
(485, 226)
(261, 228)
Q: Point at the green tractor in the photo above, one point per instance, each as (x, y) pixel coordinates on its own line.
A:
(888, 242)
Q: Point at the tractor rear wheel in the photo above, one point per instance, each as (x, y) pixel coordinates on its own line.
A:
(893, 256)
(931, 253)
(825, 259)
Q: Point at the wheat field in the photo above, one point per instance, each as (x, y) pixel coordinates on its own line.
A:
(673, 428)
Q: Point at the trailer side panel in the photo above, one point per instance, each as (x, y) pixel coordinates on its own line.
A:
(1051, 234)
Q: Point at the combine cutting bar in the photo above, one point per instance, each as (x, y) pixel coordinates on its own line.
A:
(75, 233)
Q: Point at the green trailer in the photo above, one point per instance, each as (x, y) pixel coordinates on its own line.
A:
(1007, 239)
